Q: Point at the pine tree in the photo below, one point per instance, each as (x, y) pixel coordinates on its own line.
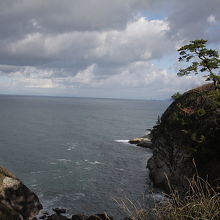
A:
(203, 60)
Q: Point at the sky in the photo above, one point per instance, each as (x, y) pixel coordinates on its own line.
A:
(101, 48)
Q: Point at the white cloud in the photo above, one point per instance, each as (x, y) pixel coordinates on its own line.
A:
(140, 40)
(141, 76)
(211, 19)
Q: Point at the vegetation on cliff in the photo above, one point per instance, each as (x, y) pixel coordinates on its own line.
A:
(186, 145)
(190, 127)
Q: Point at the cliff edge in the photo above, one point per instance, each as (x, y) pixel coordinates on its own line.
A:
(189, 129)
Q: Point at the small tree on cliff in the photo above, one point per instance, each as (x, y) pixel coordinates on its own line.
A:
(203, 60)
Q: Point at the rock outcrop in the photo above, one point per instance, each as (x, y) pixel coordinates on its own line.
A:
(16, 200)
(57, 216)
(189, 131)
(144, 141)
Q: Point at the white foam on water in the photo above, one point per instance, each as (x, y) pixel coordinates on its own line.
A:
(37, 172)
(122, 141)
(34, 186)
(80, 194)
(64, 160)
(95, 162)
(120, 169)
(70, 146)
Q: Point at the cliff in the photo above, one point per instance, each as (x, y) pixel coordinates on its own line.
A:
(189, 129)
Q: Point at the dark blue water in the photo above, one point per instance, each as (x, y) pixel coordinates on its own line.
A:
(65, 149)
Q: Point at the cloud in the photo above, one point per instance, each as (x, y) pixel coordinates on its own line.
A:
(191, 20)
(55, 16)
(88, 46)
(211, 19)
(141, 39)
(138, 80)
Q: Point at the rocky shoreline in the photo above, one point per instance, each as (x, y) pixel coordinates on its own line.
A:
(18, 202)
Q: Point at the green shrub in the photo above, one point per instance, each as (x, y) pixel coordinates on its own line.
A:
(176, 95)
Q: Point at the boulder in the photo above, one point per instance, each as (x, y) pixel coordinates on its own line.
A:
(79, 217)
(59, 211)
(102, 216)
(16, 198)
(57, 217)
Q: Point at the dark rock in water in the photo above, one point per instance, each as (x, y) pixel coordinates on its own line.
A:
(57, 217)
(45, 213)
(15, 198)
(43, 217)
(145, 143)
(59, 211)
(79, 217)
(189, 128)
(103, 216)
(93, 217)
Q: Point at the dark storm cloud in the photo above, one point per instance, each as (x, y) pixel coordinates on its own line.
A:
(195, 19)
(54, 16)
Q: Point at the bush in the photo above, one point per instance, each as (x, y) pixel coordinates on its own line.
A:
(176, 95)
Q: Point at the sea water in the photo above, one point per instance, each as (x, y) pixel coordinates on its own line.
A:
(74, 152)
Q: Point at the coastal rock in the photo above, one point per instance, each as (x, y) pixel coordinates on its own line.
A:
(144, 141)
(103, 216)
(79, 217)
(59, 211)
(188, 133)
(16, 199)
(57, 217)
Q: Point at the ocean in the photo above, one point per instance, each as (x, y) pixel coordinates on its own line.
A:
(73, 152)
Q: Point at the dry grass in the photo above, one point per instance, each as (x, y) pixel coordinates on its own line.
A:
(201, 202)
(135, 210)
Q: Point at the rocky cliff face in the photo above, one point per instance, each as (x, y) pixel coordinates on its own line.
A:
(16, 200)
(189, 129)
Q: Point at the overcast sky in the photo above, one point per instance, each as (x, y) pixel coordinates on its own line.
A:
(101, 48)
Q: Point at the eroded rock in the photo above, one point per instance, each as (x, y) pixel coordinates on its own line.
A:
(16, 198)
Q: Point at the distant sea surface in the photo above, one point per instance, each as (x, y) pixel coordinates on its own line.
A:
(73, 152)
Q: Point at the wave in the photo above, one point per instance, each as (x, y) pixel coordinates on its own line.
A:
(64, 160)
(94, 163)
(122, 141)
